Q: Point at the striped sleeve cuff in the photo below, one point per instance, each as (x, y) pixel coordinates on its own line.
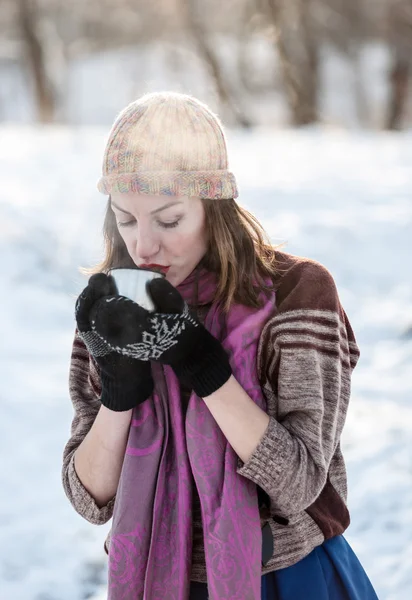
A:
(268, 461)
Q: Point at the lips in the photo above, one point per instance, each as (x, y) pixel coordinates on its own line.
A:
(154, 267)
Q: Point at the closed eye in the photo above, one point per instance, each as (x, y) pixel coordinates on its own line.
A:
(161, 223)
(169, 225)
(125, 223)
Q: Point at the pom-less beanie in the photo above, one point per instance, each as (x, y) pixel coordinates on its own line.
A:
(167, 143)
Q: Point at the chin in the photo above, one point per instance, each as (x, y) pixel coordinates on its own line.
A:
(173, 279)
(176, 278)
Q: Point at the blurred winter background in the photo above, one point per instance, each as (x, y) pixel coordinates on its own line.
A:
(316, 95)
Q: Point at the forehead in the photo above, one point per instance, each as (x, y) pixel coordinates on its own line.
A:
(146, 204)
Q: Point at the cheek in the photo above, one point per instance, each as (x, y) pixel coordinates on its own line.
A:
(126, 238)
(129, 240)
(189, 241)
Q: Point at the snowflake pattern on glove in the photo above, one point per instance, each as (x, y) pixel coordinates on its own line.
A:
(161, 333)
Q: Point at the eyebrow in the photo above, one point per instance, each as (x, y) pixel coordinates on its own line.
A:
(153, 212)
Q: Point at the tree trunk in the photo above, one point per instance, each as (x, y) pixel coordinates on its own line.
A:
(399, 19)
(209, 57)
(299, 69)
(399, 81)
(358, 83)
(35, 59)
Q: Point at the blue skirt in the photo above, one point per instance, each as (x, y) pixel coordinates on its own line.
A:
(331, 571)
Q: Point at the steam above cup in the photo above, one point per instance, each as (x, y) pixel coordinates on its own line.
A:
(132, 284)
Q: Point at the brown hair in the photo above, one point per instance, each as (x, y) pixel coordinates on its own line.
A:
(239, 252)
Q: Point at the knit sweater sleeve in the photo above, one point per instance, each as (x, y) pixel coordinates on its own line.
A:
(307, 352)
(84, 388)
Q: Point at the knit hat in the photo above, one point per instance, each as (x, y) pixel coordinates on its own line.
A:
(169, 144)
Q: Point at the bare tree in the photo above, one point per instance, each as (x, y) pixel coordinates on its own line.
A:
(298, 50)
(255, 78)
(347, 26)
(35, 59)
(400, 43)
(195, 25)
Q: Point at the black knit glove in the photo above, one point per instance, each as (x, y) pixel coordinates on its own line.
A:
(169, 335)
(126, 382)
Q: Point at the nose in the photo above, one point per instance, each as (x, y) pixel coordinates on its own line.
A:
(147, 245)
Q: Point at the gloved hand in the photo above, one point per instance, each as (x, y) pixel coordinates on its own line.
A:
(169, 335)
(126, 382)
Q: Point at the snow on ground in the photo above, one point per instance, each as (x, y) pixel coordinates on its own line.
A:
(343, 199)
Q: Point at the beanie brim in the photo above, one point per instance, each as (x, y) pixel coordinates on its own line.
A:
(217, 185)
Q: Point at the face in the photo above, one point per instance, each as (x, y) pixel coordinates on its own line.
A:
(168, 231)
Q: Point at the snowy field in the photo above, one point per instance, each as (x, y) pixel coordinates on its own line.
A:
(343, 199)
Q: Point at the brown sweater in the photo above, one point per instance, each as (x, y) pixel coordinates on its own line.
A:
(306, 354)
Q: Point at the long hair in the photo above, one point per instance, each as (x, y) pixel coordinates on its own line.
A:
(239, 252)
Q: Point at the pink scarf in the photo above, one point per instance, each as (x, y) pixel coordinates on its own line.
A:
(151, 544)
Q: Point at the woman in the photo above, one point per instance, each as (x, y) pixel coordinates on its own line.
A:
(210, 428)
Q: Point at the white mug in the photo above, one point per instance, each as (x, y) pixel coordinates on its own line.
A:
(132, 284)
